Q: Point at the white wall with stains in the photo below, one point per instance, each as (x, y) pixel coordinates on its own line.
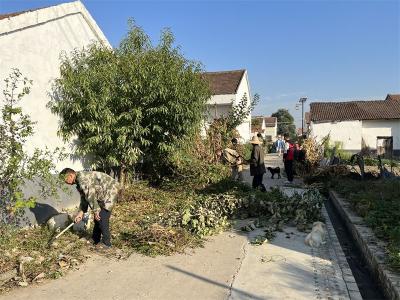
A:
(33, 42)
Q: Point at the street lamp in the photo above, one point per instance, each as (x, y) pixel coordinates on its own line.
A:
(302, 100)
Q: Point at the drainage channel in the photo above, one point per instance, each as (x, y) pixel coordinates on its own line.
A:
(369, 289)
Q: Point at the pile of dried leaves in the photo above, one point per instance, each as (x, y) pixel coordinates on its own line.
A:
(314, 152)
(324, 174)
(25, 257)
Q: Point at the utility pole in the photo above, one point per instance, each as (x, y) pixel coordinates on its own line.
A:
(302, 100)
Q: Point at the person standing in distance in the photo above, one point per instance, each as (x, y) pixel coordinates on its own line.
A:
(257, 166)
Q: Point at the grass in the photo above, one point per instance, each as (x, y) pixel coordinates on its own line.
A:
(378, 202)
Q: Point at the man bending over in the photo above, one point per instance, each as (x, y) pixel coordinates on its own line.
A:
(99, 192)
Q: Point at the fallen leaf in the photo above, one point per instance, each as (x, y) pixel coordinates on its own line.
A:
(22, 283)
(25, 259)
(39, 277)
(63, 264)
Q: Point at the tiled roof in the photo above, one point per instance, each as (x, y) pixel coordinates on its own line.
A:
(395, 97)
(270, 121)
(355, 110)
(223, 83)
(5, 16)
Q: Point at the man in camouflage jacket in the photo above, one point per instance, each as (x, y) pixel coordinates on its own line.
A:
(99, 192)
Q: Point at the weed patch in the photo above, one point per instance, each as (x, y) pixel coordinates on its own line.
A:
(378, 203)
(24, 254)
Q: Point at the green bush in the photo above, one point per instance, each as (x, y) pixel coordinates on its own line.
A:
(378, 203)
(334, 147)
(247, 148)
(372, 161)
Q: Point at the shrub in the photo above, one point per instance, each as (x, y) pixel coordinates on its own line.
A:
(378, 203)
(17, 165)
(136, 102)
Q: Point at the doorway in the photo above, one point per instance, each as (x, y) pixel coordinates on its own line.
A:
(384, 146)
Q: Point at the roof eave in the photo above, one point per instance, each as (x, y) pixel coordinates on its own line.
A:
(240, 81)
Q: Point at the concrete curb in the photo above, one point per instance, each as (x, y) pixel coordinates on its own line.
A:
(370, 246)
(340, 263)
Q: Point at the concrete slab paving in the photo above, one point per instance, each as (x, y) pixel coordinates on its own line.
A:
(201, 273)
(286, 268)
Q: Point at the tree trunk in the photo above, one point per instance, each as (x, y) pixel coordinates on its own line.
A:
(122, 174)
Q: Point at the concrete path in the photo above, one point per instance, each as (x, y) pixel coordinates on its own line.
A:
(228, 267)
(285, 268)
(204, 273)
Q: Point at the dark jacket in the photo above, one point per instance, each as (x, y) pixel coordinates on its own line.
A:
(257, 165)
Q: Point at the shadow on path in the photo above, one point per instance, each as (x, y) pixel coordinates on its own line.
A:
(241, 292)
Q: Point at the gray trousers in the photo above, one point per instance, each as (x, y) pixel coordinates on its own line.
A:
(237, 173)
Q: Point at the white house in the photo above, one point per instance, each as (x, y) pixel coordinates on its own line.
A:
(267, 126)
(32, 41)
(228, 88)
(359, 124)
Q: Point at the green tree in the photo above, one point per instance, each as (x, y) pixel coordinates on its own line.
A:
(241, 111)
(17, 165)
(222, 130)
(140, 100)
(285, 122)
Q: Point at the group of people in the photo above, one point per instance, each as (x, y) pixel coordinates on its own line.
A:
(291, 152)
(231, 156)
(284, 148)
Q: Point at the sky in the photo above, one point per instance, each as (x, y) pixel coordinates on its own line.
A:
(325, 50)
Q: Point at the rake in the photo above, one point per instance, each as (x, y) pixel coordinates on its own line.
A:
(52, 239)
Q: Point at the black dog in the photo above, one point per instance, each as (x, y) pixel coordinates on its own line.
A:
(274, 171)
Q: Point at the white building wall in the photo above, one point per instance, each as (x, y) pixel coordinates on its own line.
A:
(371, 129)
(215, 111)
(347, 132)
(221, 99)
(32, 42)
(272, 131)
(244, 88)
(219, 105)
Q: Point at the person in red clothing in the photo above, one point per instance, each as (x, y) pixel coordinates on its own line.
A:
(288, 158)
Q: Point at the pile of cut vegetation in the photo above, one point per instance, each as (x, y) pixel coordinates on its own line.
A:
(153, 221)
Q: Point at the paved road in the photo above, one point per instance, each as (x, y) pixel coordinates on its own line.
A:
(228, 267)
(286, 268)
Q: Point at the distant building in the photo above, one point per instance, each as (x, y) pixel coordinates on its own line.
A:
(32, 41)
(299, 131)
(267, 126)
(228, 88)
(358, 125)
